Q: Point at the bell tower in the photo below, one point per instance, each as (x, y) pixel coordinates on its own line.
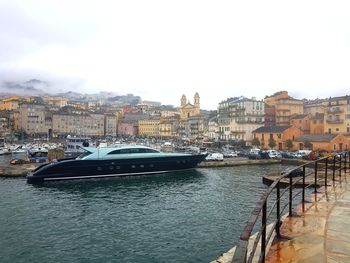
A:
(197, 100)
(183, 100)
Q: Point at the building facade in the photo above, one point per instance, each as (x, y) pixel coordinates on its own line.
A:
(187, 109)
(238, 117)
(285, 107)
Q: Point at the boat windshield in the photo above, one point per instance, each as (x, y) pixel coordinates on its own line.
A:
(133, 150)
(84, 154)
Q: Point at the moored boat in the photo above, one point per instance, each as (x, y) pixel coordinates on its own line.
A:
(123, 160)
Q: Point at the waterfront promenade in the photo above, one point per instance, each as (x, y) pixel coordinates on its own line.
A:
(319, 234)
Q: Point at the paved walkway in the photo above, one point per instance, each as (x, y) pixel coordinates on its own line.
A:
(321, 233)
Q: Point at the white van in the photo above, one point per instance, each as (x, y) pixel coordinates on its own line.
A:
(215, 157)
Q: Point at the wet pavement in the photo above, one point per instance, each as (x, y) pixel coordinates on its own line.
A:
(320, 231)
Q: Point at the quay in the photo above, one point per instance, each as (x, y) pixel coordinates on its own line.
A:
(21, 170)
(313, 228)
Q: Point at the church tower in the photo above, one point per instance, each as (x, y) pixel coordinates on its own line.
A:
(196, 100)
(183, 100)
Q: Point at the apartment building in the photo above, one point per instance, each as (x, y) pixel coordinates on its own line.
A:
(302, 122)
(110, 124)
(87, 124)
(32, 118)
(285, 107)
(238, 117)
(337, 115)
(149, 127)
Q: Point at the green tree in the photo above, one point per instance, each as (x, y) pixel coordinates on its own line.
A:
(256, 142)
(272, 143)
(289, 144)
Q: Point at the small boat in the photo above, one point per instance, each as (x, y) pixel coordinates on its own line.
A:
(118, 161)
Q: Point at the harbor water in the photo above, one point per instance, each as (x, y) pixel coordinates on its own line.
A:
(189, 216)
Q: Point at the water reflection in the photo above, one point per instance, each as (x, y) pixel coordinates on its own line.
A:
(131, 183)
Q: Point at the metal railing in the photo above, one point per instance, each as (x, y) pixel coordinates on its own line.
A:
(281, 195)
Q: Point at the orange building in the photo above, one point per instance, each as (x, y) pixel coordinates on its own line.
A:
(285, 107)
(280, 134)
(317, 123)
(302, 122)
(327, 142)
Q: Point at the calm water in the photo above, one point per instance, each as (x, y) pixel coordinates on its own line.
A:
(191, 216)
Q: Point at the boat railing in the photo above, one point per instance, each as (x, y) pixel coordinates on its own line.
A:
(280, 200)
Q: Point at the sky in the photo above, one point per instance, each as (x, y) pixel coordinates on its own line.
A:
(160, 49)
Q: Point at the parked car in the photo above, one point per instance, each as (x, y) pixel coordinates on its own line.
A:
(311, 156)
(230, 154)
(287, 155)
(215, 157)
(18, 161)
(274, 154)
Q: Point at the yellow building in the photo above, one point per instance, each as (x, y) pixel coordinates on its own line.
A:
(329, 115)
(337, 115)
(166, 130)
(187, 109)
(285, 107)
(149, 127)
(11, 103)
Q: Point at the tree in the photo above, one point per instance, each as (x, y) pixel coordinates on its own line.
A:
(289, 144)
(256, 142)
(308, 145)
(272, 143)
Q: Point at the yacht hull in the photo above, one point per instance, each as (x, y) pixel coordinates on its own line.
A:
(85, 169)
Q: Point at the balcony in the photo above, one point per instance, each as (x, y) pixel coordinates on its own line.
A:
(334, 110)
(238, 132)
(249, 121)
(340, 121)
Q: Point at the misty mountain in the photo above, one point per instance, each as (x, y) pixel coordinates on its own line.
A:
(32, 87)
(35, 87)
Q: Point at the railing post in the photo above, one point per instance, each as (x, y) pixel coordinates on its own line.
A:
(263, 234)
(278, 208)
(303, 192)
(290, 194)
(333, 167)
(325, 173)
(344, 167)
(315, 183)
(339, 165)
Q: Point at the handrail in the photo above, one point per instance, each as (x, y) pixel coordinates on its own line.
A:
(335, 163)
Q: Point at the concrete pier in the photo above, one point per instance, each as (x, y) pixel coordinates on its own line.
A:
(320, 232)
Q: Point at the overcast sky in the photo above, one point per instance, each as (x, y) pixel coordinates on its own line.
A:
(163, 49)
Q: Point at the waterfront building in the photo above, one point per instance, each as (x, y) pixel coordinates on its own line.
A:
(167, 129)
(32, 119)
(326, 142)
(149, 127)
(187, 109)
(110, 124)
(285, 107)
(337, 115)
(278, 134)
(198, 126)
(302, 122)
(270, 115)
(4, 126)
(127, 128)
(84, 123)
(238, 117)
(213, 129)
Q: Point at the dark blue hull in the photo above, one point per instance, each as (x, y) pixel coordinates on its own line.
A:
(85, 169)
